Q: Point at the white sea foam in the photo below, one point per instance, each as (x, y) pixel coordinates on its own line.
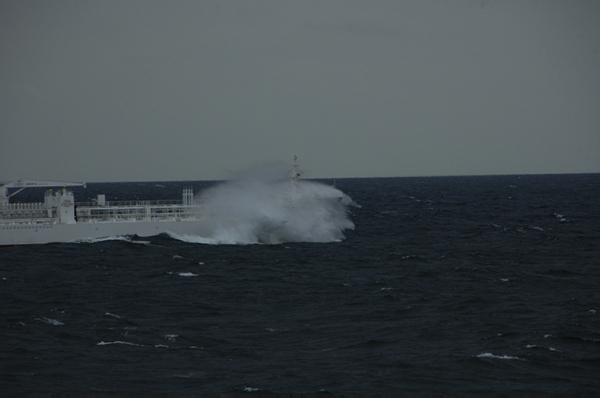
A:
(186, 274)
(537, 346)
(261, 206)
(171, 337)
(489, 355)
(124, 238)
(50, 321)
(118, 342)
(192, 238)
(560, 217)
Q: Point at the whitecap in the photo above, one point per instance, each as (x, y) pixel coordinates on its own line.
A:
(188, 375)
(171, 337)
(537, 346)
(192, 238)
(113, 315)
(560, 217)
(50, 321)
(187, 274)
(118, 342)
(490, 355)
(123, 238)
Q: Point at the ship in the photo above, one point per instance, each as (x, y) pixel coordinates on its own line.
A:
(59, 218)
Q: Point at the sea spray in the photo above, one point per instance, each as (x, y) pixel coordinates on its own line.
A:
(265, 204)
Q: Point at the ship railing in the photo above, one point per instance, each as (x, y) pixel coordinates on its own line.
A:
(174, 202)
(17, 212)
(119, 203)
(21, 206)
(135, 213)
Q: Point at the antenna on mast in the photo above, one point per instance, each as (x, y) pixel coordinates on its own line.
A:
(295, 174)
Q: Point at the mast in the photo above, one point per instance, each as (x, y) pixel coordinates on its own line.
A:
(295, 175)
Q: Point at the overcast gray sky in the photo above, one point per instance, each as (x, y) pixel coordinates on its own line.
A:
(181, 90)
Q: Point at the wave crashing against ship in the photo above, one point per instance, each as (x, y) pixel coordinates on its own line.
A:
(254, 207)
(259, 206)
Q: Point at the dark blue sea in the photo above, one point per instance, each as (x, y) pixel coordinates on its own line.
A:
(446, 285)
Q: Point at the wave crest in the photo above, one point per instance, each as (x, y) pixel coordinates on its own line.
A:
(258, 208)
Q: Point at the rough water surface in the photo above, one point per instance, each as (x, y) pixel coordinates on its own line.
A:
(445, 285)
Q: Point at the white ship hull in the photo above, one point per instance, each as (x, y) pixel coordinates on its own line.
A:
(28, 234)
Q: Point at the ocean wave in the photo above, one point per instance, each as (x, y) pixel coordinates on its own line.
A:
(123, 238)
(50, 321)
(187, 274)
(490, 355)
(118, 342)
(258, 209)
